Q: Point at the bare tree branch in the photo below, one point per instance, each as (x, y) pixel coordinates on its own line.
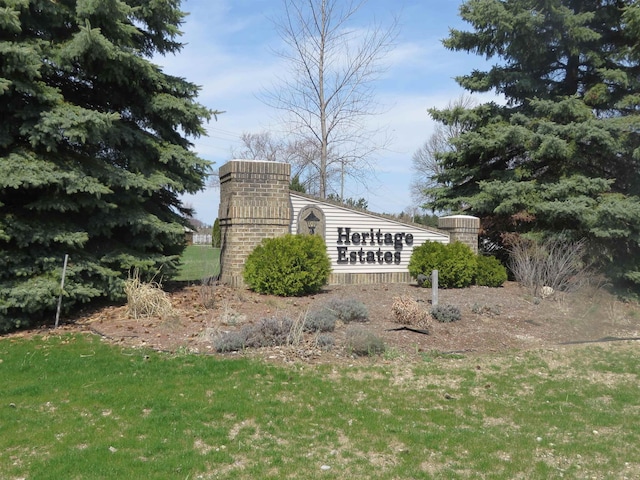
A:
(327, 93)
(425, 164)
(259, 146)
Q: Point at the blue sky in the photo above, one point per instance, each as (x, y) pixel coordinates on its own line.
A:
(228, 52)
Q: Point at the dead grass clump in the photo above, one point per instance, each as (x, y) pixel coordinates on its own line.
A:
(146, 299)
(296, 334)
(408, 311)
(362, 342)
(207, 292)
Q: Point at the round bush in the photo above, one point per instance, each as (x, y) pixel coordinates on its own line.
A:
(269, 332)
(349, 310)
(456, 264)
(291, 265)
(446, 313)
(325, 341)
(232, 341)
(491, 272)
(323, 320)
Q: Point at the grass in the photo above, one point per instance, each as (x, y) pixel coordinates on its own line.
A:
(74, 407)
(198, 262)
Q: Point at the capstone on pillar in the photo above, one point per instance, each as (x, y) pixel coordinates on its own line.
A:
(461, 228)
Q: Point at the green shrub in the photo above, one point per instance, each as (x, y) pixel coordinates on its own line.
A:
(456, 264)
(362, 342)
(490, 272)
(349, 310)
(446, 313)
(424, 259)
(291, 265)
(323, 320)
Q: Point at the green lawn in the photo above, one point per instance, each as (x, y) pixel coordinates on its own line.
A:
(74, 407)
(198, 262)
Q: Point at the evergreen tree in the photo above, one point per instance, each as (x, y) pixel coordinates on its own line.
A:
(93, 150)
(561, 157)
(360, 203)
(216, 234)
(296, 185)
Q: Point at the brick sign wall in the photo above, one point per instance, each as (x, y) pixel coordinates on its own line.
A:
(256, 203)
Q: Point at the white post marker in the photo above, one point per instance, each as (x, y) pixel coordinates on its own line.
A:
(64, 273)
(434, 288)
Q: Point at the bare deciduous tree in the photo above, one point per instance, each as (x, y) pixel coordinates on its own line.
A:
(556, 263)
(259, 146)
(327, 93)
(425, 164)
(301, 153)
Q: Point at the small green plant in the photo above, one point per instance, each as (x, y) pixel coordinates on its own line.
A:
(488, 310)
(363, 342)
(456, 264)
(446, 313)
(392, 354)
(432, 355)
(323, 320)
(349, 310)
(490, 272)
(291, 265)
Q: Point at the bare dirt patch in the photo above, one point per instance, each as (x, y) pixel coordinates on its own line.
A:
(493, 320)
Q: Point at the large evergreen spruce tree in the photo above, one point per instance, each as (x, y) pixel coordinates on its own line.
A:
(562, 156)
(93, 150)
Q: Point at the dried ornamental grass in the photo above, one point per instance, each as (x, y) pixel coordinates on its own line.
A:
(409, 312)
(146, 299)
(296, 334)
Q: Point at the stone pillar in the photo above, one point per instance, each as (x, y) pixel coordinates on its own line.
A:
(461, 228)
(254, 204)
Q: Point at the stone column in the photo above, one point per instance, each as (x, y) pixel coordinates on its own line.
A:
(254, 204)
(461, 228)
